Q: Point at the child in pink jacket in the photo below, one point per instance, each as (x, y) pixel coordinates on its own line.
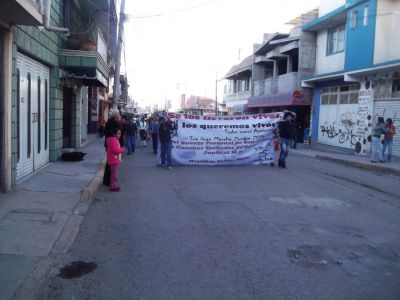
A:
(114, 158)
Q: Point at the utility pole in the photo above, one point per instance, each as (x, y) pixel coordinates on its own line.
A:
(116, 89)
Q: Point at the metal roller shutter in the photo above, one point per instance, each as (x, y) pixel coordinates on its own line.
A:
(390, 109)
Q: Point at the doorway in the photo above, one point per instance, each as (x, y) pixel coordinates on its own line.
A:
(68, 99)
(32, 115)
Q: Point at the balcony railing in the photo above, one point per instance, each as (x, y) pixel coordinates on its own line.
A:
(91, 41)
(237, 96)
(282, 84)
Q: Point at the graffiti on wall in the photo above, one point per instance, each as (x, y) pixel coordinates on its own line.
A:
(344, 134)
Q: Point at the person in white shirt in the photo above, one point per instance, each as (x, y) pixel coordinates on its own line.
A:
(143, 132)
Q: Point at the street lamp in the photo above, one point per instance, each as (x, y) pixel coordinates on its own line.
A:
(216, 92)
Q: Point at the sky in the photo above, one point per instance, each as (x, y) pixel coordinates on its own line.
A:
(171, 49)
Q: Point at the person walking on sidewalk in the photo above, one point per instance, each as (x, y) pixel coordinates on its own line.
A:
(379, 130)
(285, 129)
(130, 132)
(388, 139)
(154, 133)
(114, 158)
(165, 131)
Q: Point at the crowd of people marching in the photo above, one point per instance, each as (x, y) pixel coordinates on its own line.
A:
(121, 134)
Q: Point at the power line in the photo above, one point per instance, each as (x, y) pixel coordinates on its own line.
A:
(176, 10)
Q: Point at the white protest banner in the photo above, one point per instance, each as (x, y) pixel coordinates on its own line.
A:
(223, 140)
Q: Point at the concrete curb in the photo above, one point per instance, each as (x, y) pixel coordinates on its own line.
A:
(377, 168)
(361, 165)
(29, 289)
(71, 229)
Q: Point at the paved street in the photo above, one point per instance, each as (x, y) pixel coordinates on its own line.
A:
(317, 230)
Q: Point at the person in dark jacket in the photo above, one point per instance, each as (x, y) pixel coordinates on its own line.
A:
(293, 142)
(377, 133)
(285, 136)
(164, 132)
(130, 132)
(154, 133)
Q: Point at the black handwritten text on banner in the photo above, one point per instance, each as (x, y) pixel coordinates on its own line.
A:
(224, 140)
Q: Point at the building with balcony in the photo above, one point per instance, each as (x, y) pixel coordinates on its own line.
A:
(52, 85)
(85, 62)
(357, 74)
(280, 63)
(238, 89)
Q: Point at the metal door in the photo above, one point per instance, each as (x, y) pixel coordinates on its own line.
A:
(389, 109)
(32, 115)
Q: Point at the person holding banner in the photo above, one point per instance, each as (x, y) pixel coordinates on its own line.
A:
(285, 135)
(165, 131)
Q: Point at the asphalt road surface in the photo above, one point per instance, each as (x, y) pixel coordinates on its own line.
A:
(317, 230)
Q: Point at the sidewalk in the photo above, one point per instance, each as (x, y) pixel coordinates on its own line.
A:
(362, 162)
(43, 213)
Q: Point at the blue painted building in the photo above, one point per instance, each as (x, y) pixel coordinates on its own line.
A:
(357, 74)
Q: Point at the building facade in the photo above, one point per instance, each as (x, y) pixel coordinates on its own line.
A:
(23, 13)
(280, 64)
(238, 89)
(48, 78)
(357, 77)
(271, 78)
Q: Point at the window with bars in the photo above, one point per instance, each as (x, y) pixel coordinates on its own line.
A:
(329, 96)
(346, 94)
(396, 85)
(387, 87)
(349, 94)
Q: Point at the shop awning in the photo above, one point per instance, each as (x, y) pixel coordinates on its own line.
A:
(89, 76)
(87, 66)
(286, 99)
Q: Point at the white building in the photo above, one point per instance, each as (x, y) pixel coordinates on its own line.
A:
(357, 75)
